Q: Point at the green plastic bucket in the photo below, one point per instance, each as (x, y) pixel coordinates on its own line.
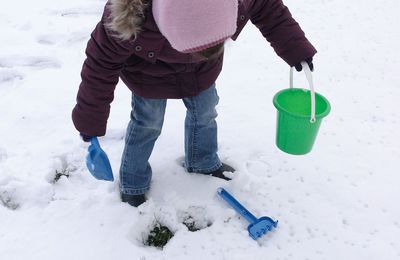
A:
(299, 116)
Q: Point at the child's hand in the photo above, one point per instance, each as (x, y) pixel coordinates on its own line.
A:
(309, 62)
(85, 138)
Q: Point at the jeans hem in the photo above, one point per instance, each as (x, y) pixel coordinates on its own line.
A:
(132, 191)
(209, 170)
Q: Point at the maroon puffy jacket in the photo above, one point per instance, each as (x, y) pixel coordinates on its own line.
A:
(151, 68)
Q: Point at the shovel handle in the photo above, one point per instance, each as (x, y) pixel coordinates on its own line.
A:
(94, 146)
(95, 142)
(236, 205)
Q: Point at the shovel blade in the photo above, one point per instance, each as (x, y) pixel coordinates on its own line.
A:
(98, 163)
(261, 227)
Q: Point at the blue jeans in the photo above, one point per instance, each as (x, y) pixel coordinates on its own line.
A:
(145, 126)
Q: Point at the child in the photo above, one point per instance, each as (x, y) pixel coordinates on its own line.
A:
(164, 49)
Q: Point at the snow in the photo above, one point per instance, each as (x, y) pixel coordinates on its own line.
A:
(338, 202)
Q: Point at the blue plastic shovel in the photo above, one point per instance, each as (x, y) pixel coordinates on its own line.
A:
(97, 162)
(258, 226)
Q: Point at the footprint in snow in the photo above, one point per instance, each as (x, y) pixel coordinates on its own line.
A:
(9, 193)
(9, 75)
(259, 168)
(50, 39)
(63, 39)
(152, 219)
(7, 200)
(3, 154)
(63, 166)
(194, 218)
(79, 11)
(29, 61)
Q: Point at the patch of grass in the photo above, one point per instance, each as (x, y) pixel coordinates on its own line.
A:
(159, 236)
(59, 174)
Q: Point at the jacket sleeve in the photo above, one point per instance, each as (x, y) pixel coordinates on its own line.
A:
(277, 25)
(105, 58)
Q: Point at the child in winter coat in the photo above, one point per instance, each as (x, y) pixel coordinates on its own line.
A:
(163, 49)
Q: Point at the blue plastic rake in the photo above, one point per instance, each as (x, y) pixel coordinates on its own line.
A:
(97, 162)
(258, 226)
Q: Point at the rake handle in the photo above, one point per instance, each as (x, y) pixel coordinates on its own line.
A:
(237, 206)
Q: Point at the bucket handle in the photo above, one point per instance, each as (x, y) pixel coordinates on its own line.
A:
(307, 71)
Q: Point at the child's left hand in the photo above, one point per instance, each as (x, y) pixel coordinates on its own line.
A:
(85, 138)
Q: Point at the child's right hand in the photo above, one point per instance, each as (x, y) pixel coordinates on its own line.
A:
(309, 61)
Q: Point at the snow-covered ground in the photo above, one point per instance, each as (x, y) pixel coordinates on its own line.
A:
(338, 202)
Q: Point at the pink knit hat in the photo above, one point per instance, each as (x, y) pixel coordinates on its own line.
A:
(195, 25)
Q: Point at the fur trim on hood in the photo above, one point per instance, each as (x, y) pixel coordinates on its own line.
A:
(126, 17)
